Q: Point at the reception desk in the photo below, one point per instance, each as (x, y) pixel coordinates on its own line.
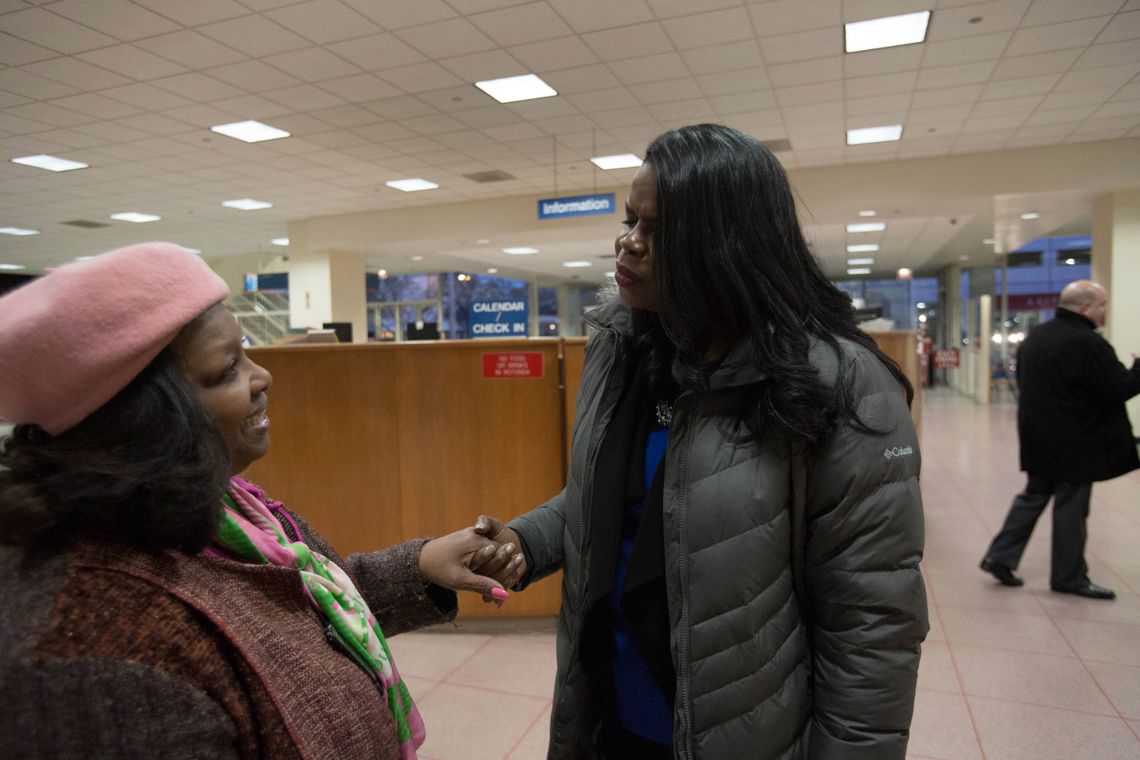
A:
(379, 443)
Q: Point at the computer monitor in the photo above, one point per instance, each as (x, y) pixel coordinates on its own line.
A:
(421, 331)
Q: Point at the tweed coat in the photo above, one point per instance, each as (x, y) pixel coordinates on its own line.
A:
(760, 673)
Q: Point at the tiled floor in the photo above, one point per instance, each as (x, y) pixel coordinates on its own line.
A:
(1007, 674)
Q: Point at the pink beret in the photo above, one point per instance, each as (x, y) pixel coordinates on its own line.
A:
(72, 339)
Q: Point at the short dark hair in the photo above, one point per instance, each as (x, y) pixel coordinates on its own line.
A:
(732, 266)
(149, 466)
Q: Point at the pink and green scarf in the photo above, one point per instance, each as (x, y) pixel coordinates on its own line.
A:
(250, 532)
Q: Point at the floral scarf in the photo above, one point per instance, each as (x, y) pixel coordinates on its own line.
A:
(250, 532)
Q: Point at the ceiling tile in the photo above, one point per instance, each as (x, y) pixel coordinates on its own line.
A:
(400, 14)
(464, 97)
(806, 72)
(810, 93)
(877, 105)
(623, 117)
(252, 107)
(802, 46)
(133, 62)
(421, 77)
(522, 24)
(1012, 88)
(890, 60)
(202, 116)
(198, 87)
(305, 97)
(744, 102)
(954, 23)
(324, 21)
(1123, 26)
(118, 18)
(433, 125)
(650, 68)
(97, 106)
(191, 49)
(14, 51)
(545, 108)
(46, 113)
(383, 132)
(54, 32)
(1060, 115)
(591, 15)
(145, 96)
(857, 10)
(1109, 54)
(1128, 92)
(1118, 108)
(886, 84)
(157, 124)
(1055, 11)
(76, 73)
(581, 79)
(983, 47)
(666, 92)
(617, 44)
(1010, 106)
(737, 55)
(1043, 39)
(729, 82)
(602, 100)
(196, 13)
(360, 87)
(445, 39)
(492, 64)
(1033, 65)
(549, 55)
(921, 117)
(253, 76)
(953, 76)
(312, 64)
(682, 112)
(790, 16)
(347, 117)
(492, 116)
(821, 112)
(378, 52)
(1107, 76)
(712, 28)
(255, 36)
(1070, 98)
(946, 96)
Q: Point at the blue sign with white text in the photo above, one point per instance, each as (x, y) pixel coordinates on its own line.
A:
(498, 319)
(578, 205)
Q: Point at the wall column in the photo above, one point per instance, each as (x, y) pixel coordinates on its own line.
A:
(328, 286)
(1116, 265)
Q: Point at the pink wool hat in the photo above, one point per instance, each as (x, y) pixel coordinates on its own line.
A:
(72, 339)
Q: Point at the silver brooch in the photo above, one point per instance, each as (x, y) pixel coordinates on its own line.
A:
(664, 413)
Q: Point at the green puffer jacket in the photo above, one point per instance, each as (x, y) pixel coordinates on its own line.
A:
(754, 678)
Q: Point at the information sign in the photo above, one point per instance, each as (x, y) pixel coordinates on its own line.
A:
(511, 365)
(498, 319)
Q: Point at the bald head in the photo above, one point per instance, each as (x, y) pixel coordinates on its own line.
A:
(1086, 298)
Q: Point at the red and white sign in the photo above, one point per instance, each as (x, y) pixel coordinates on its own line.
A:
(509, 365)
(946, 358)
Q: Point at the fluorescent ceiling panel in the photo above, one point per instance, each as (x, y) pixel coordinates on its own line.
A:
(859, 270)
(12, 267)
(280, 241)
(19, 231)
(51, 163)
(250, 131)
(415, 184)
(859, 262)
(247, 204)
(577, 264)
(867, 135)
(514, 89)
(867, 227)
(135, 217)
(885, 32)
(522, 250)
(862, 248)
(620, 161)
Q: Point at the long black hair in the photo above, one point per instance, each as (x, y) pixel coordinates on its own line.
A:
(732, 267)
(149, 466)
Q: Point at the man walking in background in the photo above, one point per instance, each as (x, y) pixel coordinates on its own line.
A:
(1073, 430)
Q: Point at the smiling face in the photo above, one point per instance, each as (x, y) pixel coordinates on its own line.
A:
(228, 383)
(634, 246)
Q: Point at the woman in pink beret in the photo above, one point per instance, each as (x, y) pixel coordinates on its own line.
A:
(154, 604)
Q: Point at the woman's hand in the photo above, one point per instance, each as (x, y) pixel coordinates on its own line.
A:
(507, 564)
(446, 561)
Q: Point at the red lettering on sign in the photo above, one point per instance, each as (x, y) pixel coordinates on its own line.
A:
(946, 358)
(525, 364)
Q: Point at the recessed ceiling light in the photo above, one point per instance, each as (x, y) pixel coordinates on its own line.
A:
(247, 204)
(619, 161)
(17, 231)
(859, 262)
(904, 273)
(1030, 215)
(920, 305)
(482, 241)
(521, 250)
(135, 217)
(12, 267)
(280, 241)
(514, 89)
(867, 213)
(862, 248)
(988, 241)
(859, 270)
(493, 270)
(412, 185)
(382, 274)
(51, 163)
(576, 264)
(888, 31)
(417, 258)
(867, 227)
(250, 131)
(886, 133)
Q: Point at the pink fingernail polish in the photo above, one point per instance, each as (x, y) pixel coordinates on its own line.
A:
(500, 593)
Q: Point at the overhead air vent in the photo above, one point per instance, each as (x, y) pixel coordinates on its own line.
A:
(778, 146)
(86, 224)
(491, 176)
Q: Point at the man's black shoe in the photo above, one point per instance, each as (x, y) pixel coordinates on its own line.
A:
(1089, 590)
(1001, 572)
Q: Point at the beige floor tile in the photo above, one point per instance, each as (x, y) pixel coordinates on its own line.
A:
(1124, 609)
(534, 743)
(1003, 630)
(1122, 685)
(1014, 731)
(980, 592)
(936, 669)
(434, 655)
(513, 664)
(1029, 677)
(1101, 641)
(466, 723)
(941, 727)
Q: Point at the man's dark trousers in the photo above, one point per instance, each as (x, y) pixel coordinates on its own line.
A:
(1070, 512)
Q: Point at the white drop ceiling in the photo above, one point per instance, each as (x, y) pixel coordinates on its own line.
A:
(378, 90)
